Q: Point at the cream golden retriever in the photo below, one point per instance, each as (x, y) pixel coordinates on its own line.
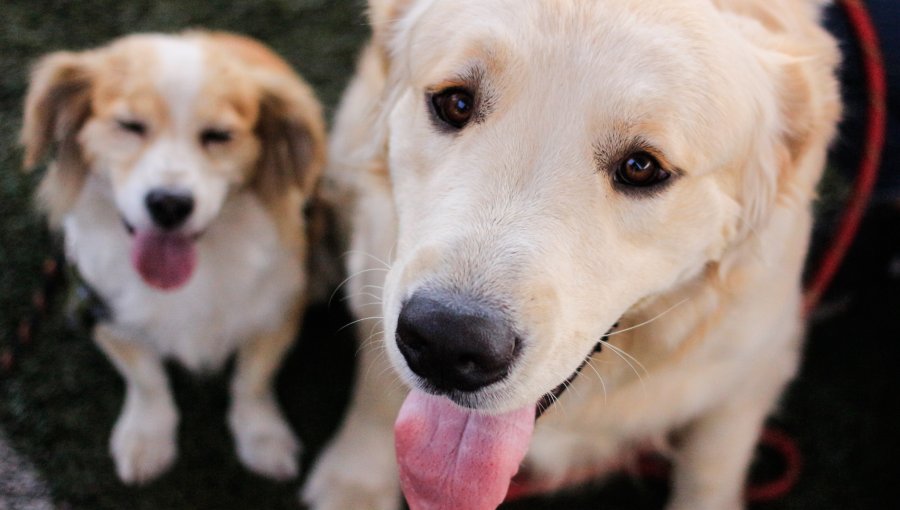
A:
(180, 167)
(524, 178)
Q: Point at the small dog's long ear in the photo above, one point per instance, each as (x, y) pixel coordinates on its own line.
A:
(56, 107)
(292, 133)
(57, 104)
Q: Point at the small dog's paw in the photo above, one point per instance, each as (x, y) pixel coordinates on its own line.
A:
(265, 443)
(354, 474)
(142, 448)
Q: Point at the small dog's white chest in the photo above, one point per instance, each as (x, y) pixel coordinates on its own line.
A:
(244, 282)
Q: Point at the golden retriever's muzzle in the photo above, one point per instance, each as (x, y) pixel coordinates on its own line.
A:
(454, 342)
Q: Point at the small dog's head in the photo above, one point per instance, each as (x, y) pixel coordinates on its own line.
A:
(555, 163)
(171, 125)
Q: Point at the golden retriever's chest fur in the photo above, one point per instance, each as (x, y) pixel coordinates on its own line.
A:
(244, 284)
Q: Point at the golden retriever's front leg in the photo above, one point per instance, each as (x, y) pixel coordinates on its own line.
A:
(265, 443)
(358, 470)
(143, 439)
(713, 454)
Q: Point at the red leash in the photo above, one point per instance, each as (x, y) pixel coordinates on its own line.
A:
(653, 467)
(867, 173)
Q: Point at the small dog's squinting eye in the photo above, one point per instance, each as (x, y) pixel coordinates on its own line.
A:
(214, 136)
(132, 126)
(454, 106)
(640, 170)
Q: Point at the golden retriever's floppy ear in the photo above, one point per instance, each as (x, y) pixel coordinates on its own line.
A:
(384, 15)
(292, 133)
(800, 124)
(56, 107)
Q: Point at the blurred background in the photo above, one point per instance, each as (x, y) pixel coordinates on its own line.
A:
(59, 396)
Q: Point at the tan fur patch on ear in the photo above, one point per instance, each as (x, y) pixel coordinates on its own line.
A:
(797, 109)
(291, 130)
(56, 107)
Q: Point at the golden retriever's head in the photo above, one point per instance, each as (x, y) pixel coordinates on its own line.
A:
(554, 163)
(172, 125)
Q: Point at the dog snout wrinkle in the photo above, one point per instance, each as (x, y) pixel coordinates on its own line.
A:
(455, 342)
(169, 209)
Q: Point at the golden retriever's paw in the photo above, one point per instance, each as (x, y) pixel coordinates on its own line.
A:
(143, 445)
(556, 456)
(352, 475)
(356, 499)
(264, 441)
(682, 503)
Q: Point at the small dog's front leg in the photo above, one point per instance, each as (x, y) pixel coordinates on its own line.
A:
(265, 443)
(143, 440)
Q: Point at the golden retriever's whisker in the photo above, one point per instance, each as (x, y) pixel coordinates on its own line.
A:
(354, 275)
(370, 304)
(600, 377)
(372, 341)
(362, 294)
(367, 254)
(622, 354)
(373, 333)
(556, 400)
(664, 312)
(345, 326)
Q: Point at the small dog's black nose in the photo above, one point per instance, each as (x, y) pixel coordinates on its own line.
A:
(169, 209)
(455, 342)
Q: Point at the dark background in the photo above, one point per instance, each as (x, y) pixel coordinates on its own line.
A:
(59, 401)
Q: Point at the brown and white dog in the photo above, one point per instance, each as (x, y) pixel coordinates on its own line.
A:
(180, 167)
(534, 173)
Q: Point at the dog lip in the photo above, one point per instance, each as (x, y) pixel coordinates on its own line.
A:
(553, 395)
(132, 230)
(128, 227)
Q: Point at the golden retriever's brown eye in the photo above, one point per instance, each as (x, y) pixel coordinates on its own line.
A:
(132, 126)
(454, 106)
(214, 136)
(640, 170)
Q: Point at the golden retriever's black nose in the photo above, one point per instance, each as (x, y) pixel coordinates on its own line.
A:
(169, 209)
(455, 342)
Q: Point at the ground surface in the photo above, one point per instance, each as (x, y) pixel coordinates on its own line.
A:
(58, 404)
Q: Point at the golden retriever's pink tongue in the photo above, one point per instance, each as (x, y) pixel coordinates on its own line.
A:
(165, 261)
(455, 458)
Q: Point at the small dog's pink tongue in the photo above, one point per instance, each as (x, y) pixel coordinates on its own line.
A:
(455, 458)
(165, 261)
